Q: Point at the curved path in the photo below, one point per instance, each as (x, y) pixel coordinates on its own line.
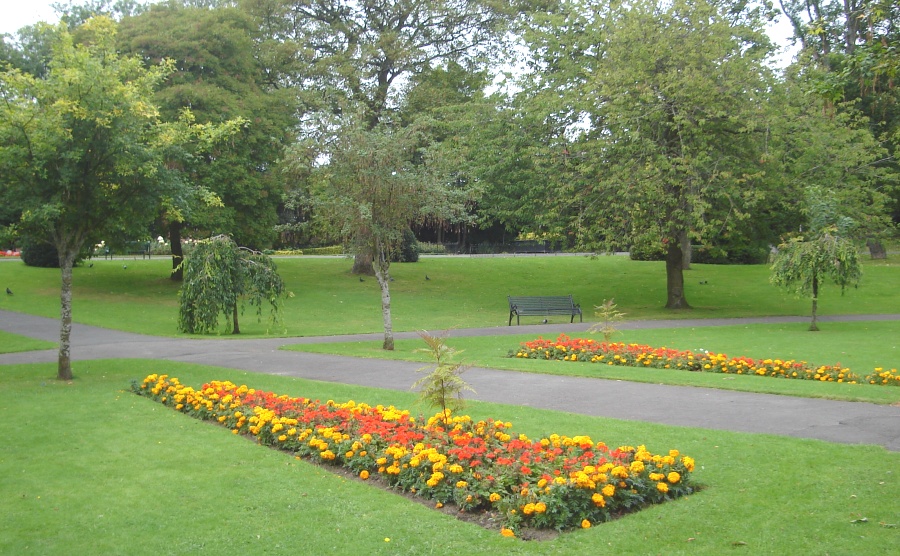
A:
(833, 421)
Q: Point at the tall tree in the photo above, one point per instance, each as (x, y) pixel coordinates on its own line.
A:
(218, 76)
(82, 147)
(660, 115)
(851, 60)
(357, 54)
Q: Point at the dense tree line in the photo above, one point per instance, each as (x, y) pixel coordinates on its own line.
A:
(656, 127)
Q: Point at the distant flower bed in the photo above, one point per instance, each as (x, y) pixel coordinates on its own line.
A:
(556, 482)
(9, 253)
(636, 355)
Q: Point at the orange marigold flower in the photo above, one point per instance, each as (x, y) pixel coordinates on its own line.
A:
(507, 532)
(585, 524)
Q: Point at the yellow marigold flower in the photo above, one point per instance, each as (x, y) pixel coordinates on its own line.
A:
(662, 487)
(507, 532)
(674, 477)
(528, 509)
(598, 500)
(585, 524)
(461, 484)
(542, 483)
(540, 508)
(282, 438)
(364, 474)
(455, 468)
(439, 505)
(609, 491)
(636, 466)
(494, 497)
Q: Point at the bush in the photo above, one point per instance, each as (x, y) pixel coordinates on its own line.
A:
(648, 252)
(409, 249)
(39, 253)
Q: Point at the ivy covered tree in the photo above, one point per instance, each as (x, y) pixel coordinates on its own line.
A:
(219, 279)
(805, 262)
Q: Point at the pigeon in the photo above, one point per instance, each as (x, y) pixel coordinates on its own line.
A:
(91, 265)
(360, 279)
(427, 278)
(124, 266)
(8, 291)
(703, 282)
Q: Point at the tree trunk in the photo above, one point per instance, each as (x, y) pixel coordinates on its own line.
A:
(876, 249)
(813, 327)
(384, 280)
(235, 328)
(686, 250)
(675, 278)
(362, 264)
(66, 261)
(177, 252)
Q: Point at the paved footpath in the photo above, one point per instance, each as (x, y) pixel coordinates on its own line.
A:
(833, 421)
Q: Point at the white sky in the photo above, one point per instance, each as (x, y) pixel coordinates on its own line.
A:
(15, 14)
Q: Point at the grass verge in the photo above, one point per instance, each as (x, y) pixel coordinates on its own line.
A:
(860, 345)
(462, 292)
(122, 474)
(12, 343)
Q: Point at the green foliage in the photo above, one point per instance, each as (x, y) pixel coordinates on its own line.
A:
(658, 121)
(442, 388)
(805, 262)
(409, 249)
(609, 316)
(220, 276)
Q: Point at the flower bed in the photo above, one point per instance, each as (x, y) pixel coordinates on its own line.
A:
(557, 482)
(636, 355)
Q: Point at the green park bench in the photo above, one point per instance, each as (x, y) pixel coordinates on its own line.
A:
(524, 306)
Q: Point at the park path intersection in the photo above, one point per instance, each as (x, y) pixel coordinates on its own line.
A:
(828, 420)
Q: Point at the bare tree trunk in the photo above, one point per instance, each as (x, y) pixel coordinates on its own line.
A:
(813, 326)
(384, 280)
(876, 249)
(66, 261)
(362, 264)
(686, 250)
(674, 278)
(235, 328)
(177, 252)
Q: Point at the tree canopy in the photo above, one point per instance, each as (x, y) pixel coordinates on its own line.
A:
(82, 148)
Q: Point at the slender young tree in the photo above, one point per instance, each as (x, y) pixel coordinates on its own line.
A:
(378, 183)
(219, 279)
(824, 252)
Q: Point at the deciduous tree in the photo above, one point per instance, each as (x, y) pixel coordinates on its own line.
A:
(219, 278)
(824, 252)
(82, 148)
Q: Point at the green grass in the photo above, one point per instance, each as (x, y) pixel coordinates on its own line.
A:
(121, 474)
(463, 292)
(860, 345)
(11, 343)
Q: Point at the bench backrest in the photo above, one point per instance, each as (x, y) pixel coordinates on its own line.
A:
(550, 302)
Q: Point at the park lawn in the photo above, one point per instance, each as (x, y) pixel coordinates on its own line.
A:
(462, 292)
(12, 343)
(862, 346)
(122, 474)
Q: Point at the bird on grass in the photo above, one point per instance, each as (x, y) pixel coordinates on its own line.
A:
(544, 321)
(361, 279)
(124, 266)
(427, 278)
(91, 265)
(8, 291)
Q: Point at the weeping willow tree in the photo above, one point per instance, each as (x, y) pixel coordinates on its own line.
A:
(220, 278)
(826, 252)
